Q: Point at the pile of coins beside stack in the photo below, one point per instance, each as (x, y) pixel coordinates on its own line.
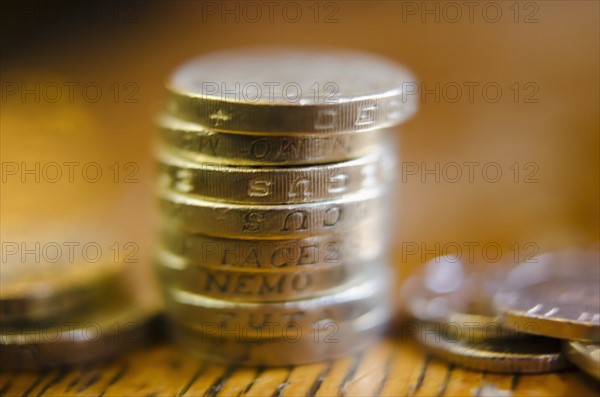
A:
(54, 314)
(275, 168)
(532, 317)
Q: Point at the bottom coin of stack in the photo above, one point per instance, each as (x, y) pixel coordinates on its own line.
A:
(62, 314)
(283, 333)
(532, 318)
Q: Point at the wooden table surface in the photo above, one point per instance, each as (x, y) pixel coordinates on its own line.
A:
(137, 44)
(390, 368)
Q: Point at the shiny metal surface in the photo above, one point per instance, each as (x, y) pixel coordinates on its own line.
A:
(198, 143)
(457, 296)
(283, 90)
(273, 319)
(33, 292)
(526, 356)
(275, 185)
(272, 222)
(585, 355)
(275, 210)
(360, 245)
(566, 309)
(261, 285)
(322, 341)
(96, 335)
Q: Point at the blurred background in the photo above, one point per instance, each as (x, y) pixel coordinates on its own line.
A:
(503, 155)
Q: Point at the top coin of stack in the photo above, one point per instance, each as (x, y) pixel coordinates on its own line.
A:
(290, 91)
(274, 169)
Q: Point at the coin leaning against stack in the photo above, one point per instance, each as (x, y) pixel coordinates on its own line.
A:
(275, 173)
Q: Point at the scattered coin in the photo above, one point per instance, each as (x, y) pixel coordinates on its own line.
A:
(34, 292)
(456, 296)
(585, 355)
(565, 308)
(569, 264)
(526, 356)
(97, 335)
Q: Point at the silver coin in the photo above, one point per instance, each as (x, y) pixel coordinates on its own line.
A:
(282, 90)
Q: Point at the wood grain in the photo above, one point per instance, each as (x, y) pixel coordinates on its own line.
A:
(390, 368)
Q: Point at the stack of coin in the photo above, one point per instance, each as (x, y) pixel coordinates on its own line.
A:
(59, 313)
(275, 173)
(530, 318)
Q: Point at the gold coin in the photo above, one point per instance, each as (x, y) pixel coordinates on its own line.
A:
(584, 355)
(37, 292)
(323, 341)
(526, 356)
(282, 90)
(275, 185)
(272, 319)
(564, 308)
(260, 285)
(197, 143)
(97, 335)
(238, 221)
(361, 245)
